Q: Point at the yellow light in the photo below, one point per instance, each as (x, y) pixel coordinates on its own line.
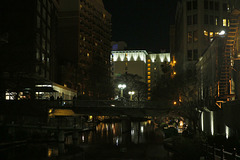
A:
(149, 77)
(181, 123)
(174, 62)
(50, 110)
(174, 73)
(174, 102)
(90, 117)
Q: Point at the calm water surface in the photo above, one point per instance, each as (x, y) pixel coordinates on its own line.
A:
(110, 141)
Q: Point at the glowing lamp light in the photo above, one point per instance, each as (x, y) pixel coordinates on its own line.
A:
(174, 102)
(174, 73)
(222, 33)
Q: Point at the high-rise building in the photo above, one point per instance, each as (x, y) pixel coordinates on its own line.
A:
(28, 46)
(197, 23)
(139, 62)
(84, 47)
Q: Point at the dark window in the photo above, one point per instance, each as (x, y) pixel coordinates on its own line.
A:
(205, 4)
(195, 19)
(211, 20)
(189, 6)
(224, 6)
(195, 54)
(189, 55)
(189, 37)
(205, 19)
(195, 4)
(195, 36)
(189, 20)
(216, 6)
(211, 5)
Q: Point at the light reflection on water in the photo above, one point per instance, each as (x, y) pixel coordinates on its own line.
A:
(105, 135)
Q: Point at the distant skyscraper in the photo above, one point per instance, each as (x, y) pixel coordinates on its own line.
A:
(197, 23)
(84, 47)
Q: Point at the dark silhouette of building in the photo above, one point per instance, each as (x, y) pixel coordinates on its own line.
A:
(28, 35)
(84, 47)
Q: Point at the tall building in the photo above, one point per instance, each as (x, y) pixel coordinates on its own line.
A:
(139, 62)
(28, 47)
(197, 22)
(84, 47)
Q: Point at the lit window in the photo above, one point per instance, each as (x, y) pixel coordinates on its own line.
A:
(210, 34)
(149, 81)
(216, 21)
(88, 54)
(149, 60)
(205, 33)
(149, 73)
(149, 98)
(224, 22)
(104, 15)
(149, 77)
(149, 69)
(155, 68)
(149, 89)
(80, 6)
(149, 65)
(216, 33)
(228, 23)
(149, 85)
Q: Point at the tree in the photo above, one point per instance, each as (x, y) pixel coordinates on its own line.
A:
(133, 83)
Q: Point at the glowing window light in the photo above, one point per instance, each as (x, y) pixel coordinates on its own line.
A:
(152, 57)
(212, 122)
(227, 131)
(202, 121)
(122, 56)
(225, 22)
(161, 57)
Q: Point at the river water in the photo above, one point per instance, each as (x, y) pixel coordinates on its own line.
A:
(109, 141)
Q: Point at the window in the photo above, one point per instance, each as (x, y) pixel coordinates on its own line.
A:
(195, 54)
(211, 34)
(216, 6)
(211, 5)
(149, 65)
(189, 6)
(216, 20)
(189, 55)
(195, 36)
(211, 20)
(195, 4)
(149, 77)
(189, 37)
(189, 20)
(149, 73)
(228, 23)
(205, 19)
(224, 22)
(205, 4)
(195, 19)
(149, 60)
(149, 81)
(149, 69)
(205, 33)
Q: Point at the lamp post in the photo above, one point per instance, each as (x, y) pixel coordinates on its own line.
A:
(131, 93)
(122, 87)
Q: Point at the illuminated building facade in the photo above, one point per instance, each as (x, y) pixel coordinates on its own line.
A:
(196, 24)
(145, 65)
(218, 81)
(84, 47)
(28, 49)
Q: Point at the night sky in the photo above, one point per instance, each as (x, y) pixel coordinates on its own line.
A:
(142, 24)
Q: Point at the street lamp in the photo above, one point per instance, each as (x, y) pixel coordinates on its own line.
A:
(122, 87)
(131, 93)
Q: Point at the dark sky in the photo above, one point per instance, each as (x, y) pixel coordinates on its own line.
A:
(142, 24)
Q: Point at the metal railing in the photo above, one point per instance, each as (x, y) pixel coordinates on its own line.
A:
(212, 152)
